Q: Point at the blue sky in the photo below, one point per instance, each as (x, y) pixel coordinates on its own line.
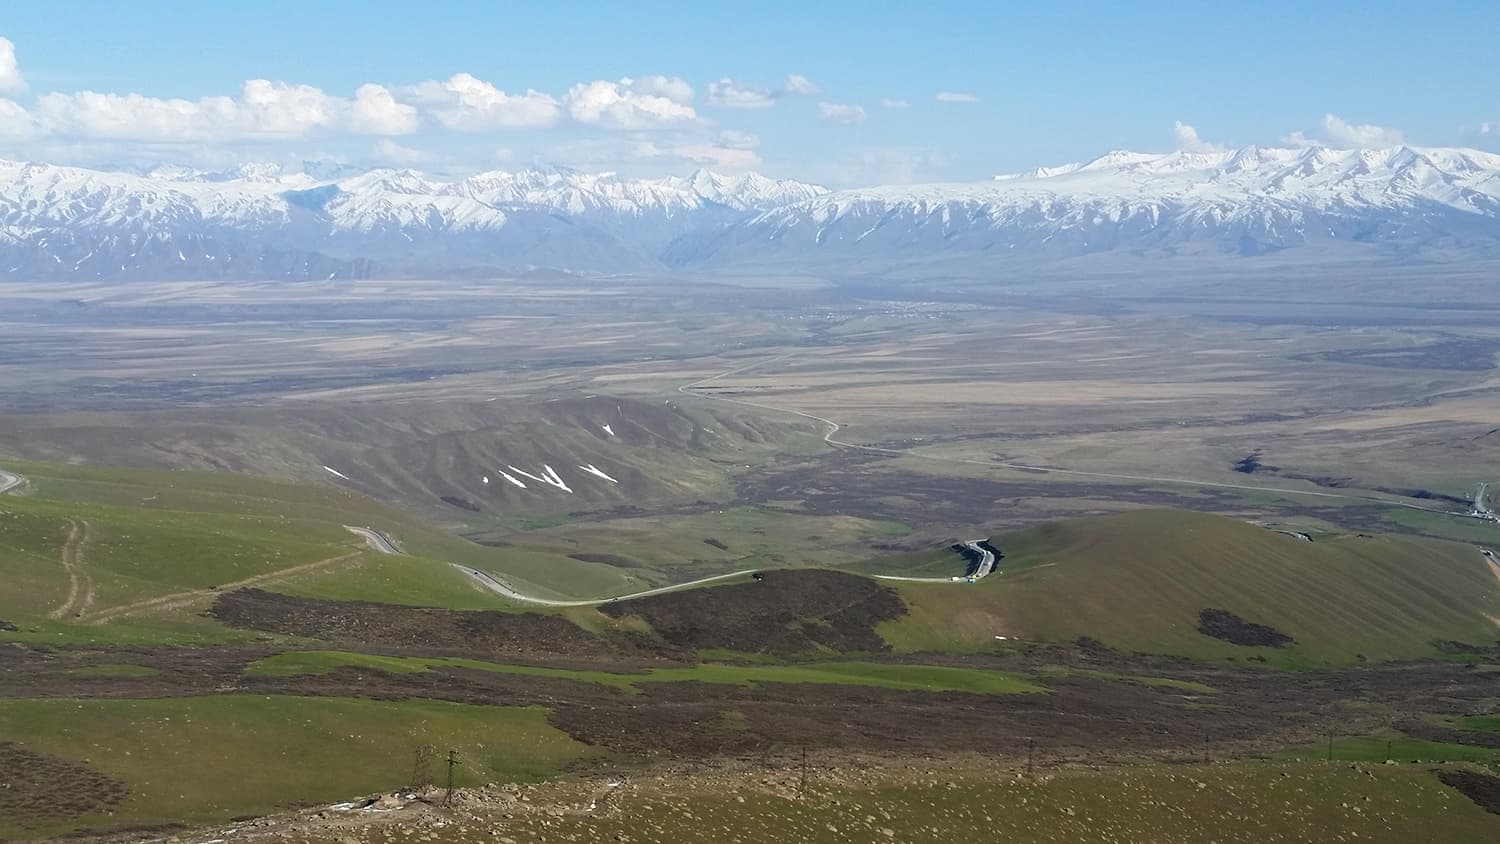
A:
(1039, 86)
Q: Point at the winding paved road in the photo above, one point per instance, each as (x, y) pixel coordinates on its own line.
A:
(9, 481)
(986, 558)
(384, 545)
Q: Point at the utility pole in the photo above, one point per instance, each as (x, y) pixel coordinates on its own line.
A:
(452, 763)
(802, 785)
(1330, 747)
(1030, 756)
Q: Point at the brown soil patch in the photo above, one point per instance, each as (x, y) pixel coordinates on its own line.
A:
(1080, 718)
(37, 789)
(483, 632)
(789, 612)
(1225, 625)
(1483, 789)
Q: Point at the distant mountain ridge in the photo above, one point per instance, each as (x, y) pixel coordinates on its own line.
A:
(1244, 202)
(258, 221)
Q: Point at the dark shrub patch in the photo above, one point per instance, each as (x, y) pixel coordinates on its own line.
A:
(1483, 789)
(1225, 625)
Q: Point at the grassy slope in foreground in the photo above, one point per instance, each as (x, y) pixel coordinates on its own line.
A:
(1138, 581)
(1230, 804)
(207, 759)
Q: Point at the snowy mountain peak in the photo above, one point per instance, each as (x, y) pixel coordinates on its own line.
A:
(260, 221)
(1248, 201)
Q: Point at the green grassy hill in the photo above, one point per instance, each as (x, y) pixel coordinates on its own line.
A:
(96, 554)
(1138, 581)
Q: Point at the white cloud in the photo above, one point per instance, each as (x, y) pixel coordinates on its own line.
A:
(15, 122)
(893, 103)
(468, 104)
(281, 109)
(956, 97)
(800, 86)
(629, 104)
(1343, 132)
(671, 87)
(10, 72)
(840, 113)
(376, 112)
(727, 93)
(263, 110)
(1488, 128)
(1188, 140)
(1337, 132)
(390, 152)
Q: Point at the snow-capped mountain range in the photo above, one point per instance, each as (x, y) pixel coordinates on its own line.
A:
(262, 222)
(1242, 202)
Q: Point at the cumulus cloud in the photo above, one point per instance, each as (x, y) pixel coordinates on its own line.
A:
(15, 121)
(727, 93)
(956, 97)
(264, 109)
(10, 72)
(671, 87)
(1488, 128)
(1343, 132)
(800, 86)
(390, 152)
(893, 103)
(842, 114)
(375, 111)
(631, 104)
(1188, 140)
(466, 103)
(1338, 132)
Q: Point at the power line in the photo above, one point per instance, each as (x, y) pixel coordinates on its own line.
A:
(421, 769)
(452, 763)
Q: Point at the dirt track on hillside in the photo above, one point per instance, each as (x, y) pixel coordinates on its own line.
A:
(178, 599)
(80, 586)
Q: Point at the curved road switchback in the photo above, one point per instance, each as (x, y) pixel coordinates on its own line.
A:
(9, 481)
(987, 558)
(384, 545)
